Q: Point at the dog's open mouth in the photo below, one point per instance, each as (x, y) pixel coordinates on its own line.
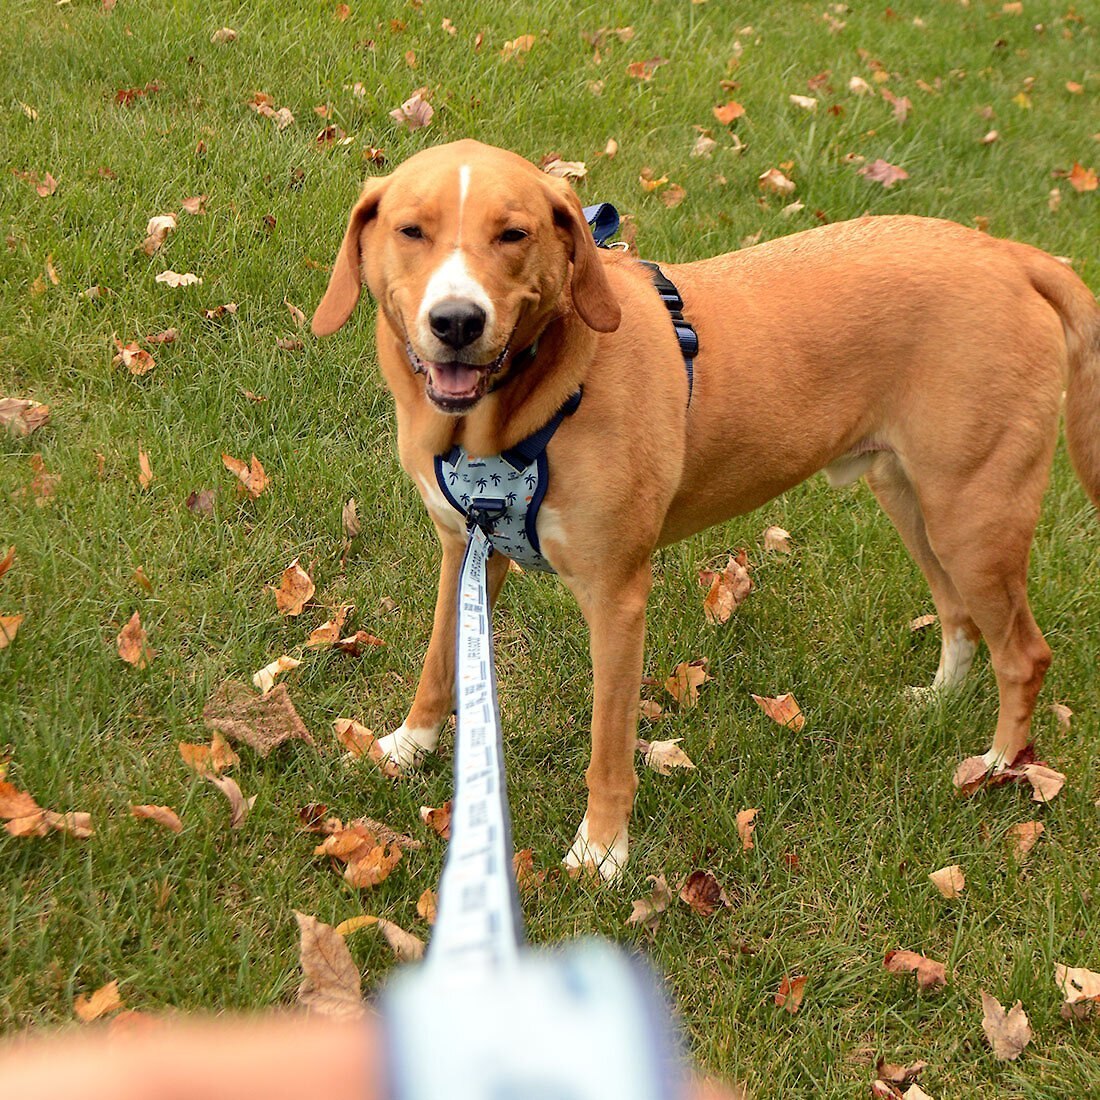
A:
(455, 387)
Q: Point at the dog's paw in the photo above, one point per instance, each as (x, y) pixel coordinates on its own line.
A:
(406, 748)
(608, 861)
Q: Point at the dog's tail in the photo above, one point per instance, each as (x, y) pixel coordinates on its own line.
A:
(1080, 316)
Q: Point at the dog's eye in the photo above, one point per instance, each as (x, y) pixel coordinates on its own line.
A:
(413, 232)
(510, 236)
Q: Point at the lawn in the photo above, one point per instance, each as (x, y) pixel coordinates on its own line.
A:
(855, 810)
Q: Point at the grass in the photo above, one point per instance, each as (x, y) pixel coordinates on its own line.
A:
(862, 795)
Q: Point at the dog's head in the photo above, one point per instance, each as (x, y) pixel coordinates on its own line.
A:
(470, 250)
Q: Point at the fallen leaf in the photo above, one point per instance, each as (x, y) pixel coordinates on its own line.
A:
(15, 804)
(644, 70)
(989, 137)
(353, 924)
(134, 358)
(74, 823)
(1023, 837)
(528, 880)
(156, 232)
(286, 343)
(775, 182)
(341, 13)
(223, 35)
(162, 815)
(103, 1001)
(1080, 989)
(415, 113)
(901, 104)
(728, 589)
(970, 774)
(858, 86)
(239, 806)
(261, 721)
(879, 171)
(931, 975)
(650, 181)
(791, 992)
(684, 683)
(746, 826)
(177, 279)
(330, 984)
(663, 756)
(329, 631)
(210, 759)
(360, 741)
(439, 821)
(296, 313)
(20, 417)
(1045, 782)
(950, 881)
(922, 622)
(782, 709)
(266, 677)
(777, 540)
(728, 112)
(7, 561)
(704, 146)
(216, 313)
(1059, 710)
(651, 710)
(252, 476)
(673, 196)
(201, 501)
(647, 910)
(9, 627)
(43, 485)
(349, 520)
(165, 336)
(899, 1077)
(195, 205)
(1008, 1032)
(806, 102)
(701, 892)
(427, 906)
(406, 946)
(145, 471)
(354, 644)
(372, 866)
(295, 590)
(133, 643)
(1081, 178)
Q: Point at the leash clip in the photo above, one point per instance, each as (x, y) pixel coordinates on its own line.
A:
(484, 512)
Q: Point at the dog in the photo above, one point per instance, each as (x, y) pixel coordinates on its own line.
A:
(927, 357)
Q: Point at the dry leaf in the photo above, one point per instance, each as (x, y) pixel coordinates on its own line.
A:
(728, 113)
(1059, 710)
(782, 709)
(162, 815)
(684, 683)
(195, 205)
(950, 881)
(728, 588)
(663, 756)
(523, 870)
(252, 477)
(922, 622)
(427, 906)
(353, 924)
(176, 279)
(791, 992)
(1080, 990)
(295, 590)
(329, 631)
(156, 232)
(135, 359)
(931, 975)
(165, 336)
(354, 644)
(806, 102)
(439, 821)
(74, 823)
(133, 644)
(43, 485)
(223, 35)
(21, 417)
(9, 627)
(349, 520)
(210, 759)
(990, 137)
(858, 86)
(651, 710)
(296, 313)
(201, 501)
(899, 1077)
(103, 1001)
(1045, 782)
(650, 181)
(704, 146)
(673, 196)
(879, 171)
(647, 910)
(1023, 837)
(644, 70)
(7, 560)
(145, 471)
(360, 741)
(565, 169)
(700, 891)
(406, 946)
(330, 984)
(372, 866)
(262, 721)
(1081, 178)
(415, 113)
(1008, 1032)
(776, 539)
(239, 806)
(266, 677)
(746, 826)
(775, 182)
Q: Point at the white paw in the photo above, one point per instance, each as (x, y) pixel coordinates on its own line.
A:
(995, 761)
(610, 862)
(924, 696)
(407, 747)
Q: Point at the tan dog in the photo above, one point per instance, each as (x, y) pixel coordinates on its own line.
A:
(929, 357)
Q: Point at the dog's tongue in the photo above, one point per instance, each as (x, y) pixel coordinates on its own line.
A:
(453, 379)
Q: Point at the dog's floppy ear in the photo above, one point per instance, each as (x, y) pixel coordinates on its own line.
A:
(345, 282)
(593, 297)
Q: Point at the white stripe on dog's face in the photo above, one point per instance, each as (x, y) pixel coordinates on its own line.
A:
(453, 279)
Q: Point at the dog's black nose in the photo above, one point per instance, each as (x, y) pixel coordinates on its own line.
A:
(457, 321)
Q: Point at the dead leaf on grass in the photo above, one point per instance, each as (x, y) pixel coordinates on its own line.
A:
(415, 113)
(684, 683)
(644, 70)
(20, 417)
(1062, 713)
(133, 357)
(528, 880)
(746, 826)
(1008, 1032)
(663, 756)
(360, 741)
(239, 806)
(1023, 837)
(266, 677)
(950, 881)
(210, 759)
(329, 631)
(728, 112)
(330, 984)
(162, 815)
(262, 721)
(701, 892)
(406, 946)
(102, 1002)
(783, 709)
(296, 589)
(879, 171)
(647, 910)
(922, 622)
(931, 975)
(439, 821)
(178, 279)
(156, 232)
(791, 992)
(9, 627)
(145, 470)
(777, 539)
(1082, 179)
(427, 906)
(133, 643)
(727, 589)
(1080, 989)
(1045, 782)
(252, 476)
(774, 182)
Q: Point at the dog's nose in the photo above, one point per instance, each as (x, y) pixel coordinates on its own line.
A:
(457, 321)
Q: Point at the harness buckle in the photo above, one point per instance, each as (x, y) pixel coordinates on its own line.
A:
(484, 512)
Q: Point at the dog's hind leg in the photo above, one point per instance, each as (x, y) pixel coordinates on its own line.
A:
(959, 633)
(434, 701)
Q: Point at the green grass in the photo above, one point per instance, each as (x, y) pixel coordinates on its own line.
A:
(862, 794)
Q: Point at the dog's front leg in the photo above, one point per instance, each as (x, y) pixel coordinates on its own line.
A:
(615, 610)
(433, 703)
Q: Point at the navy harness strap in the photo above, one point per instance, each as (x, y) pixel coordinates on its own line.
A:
(527, 450)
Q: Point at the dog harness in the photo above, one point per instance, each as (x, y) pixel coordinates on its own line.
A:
(502, 493)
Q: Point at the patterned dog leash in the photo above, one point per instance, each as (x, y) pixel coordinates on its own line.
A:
(484, 1018)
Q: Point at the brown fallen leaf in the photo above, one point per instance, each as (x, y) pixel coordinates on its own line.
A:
(644, 70)
(673, 196)
(133, 643)
(252, 477)
(564, 169)
(746, 826)
(239, 806)
(266, 677)
(1008, 1032)
(7, 561)
(349, 520)
(931, 975)
(647, 910)
(145, 471)
(415, 113)
(329, 631)
(1045, 782)
(406, 946)
(20, 417)
(372, 866)
(663, 756)
(684, 683)
(15, 803)
(165, 336)
(156, 232)
(330, 984)
(728, 112)
(950, 881)
(774, 182)
(201, 502)
(210, 759)
(42, 486)
(355, 644)
(313, 817)
(353, 924)
(879, 171)
(783, 709)
(791, 992)
(439, 821)
(177, 279)
(777, 540)
(922, 622)
(701, 892)
(1080, 989)
(9, 627)
(195, 205)
(1023, 837)
(898, 1077)
(650, 181)
(651, 710)
(102, 1002)
(360, 741)
(262, 721)
(1082, 179)
(528, 880)
(162, 815)
(1062, 713)
(76, 823)
(295, 590)
(727, 589)
(133, 357)
(427, 906)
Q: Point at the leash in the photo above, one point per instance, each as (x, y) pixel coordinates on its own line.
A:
(484, 1018)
